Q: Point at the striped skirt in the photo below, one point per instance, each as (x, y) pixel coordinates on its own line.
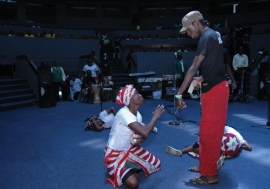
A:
(115, 160)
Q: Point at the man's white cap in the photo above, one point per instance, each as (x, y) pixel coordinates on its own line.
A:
(189, 18)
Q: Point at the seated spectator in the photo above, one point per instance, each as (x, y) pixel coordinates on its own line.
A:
(35, 25)
(43, 34)
(142, 37)
(51, 35)
(29, 34)
(129, 37)
(183, 49)
(149, 36)
(75, 87)
(92, 66)
(86, 93)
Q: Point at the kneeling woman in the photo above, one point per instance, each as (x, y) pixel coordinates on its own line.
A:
(123, 153)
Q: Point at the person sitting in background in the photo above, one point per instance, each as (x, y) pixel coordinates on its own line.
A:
(51, 34)
(86, 93)
(240, 60)
(183, 49)
(43, 34)
(123, 154)
(75, 87)
(232, 142)
(58, 80)
(93, 68)
(29, 34)
(101, 122)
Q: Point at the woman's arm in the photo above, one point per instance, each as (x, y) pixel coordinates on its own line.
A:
(144, 131)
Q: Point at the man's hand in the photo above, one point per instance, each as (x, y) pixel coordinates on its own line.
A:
(234, 86)
(180, 104)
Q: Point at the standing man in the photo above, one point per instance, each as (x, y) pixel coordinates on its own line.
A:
(58, 80)
(180, 67)
(240, 60)
(215, 93)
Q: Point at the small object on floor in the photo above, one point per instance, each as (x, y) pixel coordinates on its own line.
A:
(204, 180)
(194, 169)
(154, 130)
(172, 151)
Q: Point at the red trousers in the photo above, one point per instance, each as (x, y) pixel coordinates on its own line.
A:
(214, 105)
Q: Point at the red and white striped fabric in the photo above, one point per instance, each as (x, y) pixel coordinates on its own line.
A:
(116, 159)
(124, 95)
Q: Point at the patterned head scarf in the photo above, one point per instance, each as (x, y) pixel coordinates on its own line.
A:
(124, 95)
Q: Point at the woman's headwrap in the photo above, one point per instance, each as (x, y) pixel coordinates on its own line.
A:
(124, 95)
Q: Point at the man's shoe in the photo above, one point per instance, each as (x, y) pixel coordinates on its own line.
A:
(172, 151)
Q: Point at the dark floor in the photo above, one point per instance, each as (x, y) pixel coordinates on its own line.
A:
(49, 149)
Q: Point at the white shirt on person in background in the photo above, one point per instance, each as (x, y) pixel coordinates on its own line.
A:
(106, 118)
(76, 85)
(119, 138)
(94, 69)
(240, 61)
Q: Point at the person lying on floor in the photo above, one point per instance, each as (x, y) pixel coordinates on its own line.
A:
(104, 121)
(231, 142)
(101, 122)
(123, 153)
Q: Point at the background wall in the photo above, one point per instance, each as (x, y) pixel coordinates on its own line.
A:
(66, 51)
